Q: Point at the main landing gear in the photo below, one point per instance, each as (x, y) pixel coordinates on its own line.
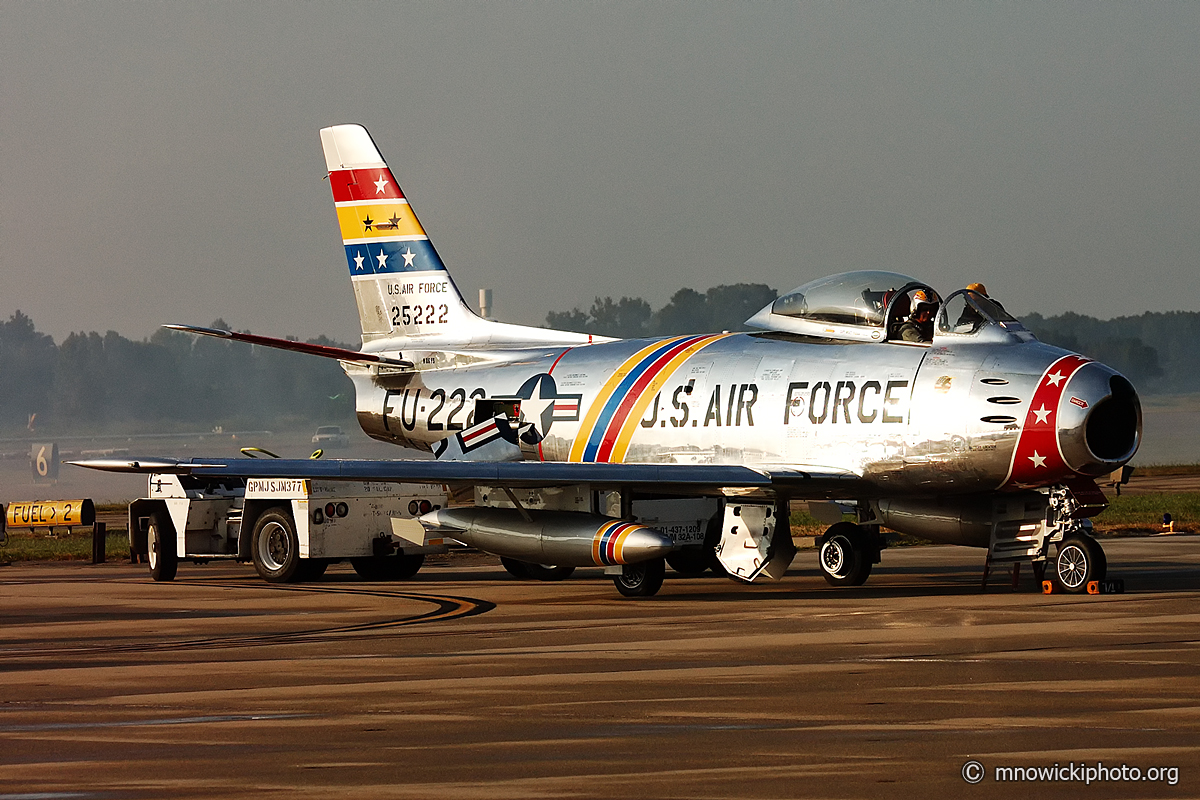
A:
(523, 570)
(1079, 560)
(846, 553)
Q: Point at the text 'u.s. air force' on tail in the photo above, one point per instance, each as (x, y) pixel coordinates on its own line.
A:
(867, 394)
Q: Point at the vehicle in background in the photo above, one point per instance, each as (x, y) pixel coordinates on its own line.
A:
(328, 436)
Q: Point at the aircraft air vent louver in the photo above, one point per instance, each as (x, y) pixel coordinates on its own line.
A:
(994, 381)
(999, 420)
(1004, 400)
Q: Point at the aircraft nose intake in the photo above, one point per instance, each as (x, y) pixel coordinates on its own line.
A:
(1099, 420)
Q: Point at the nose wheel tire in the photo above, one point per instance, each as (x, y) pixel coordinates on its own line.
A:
(641, 580)
(844, 555)
(1080, 560)
(160, 546)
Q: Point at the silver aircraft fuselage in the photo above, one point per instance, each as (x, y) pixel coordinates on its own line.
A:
(966, 414)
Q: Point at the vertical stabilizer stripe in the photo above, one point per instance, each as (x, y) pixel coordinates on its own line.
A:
(378, 221)
(383, 258)
(364, 184)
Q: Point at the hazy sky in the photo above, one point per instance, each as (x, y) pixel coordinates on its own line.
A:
(161, 161)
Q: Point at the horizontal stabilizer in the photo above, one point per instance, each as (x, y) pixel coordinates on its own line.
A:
(325, 351)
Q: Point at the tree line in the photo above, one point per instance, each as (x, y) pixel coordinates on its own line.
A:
(173, 381)
(721, 308)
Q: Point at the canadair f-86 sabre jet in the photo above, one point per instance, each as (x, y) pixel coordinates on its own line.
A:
(867, 394)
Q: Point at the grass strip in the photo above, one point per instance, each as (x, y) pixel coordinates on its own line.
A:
(25, 546)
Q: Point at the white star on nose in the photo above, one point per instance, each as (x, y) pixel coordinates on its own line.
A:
(359, 258)
(409, 255)
(1042, 414)
(382, 257)
(381, 184)
(1055, 378)
(1038, 461)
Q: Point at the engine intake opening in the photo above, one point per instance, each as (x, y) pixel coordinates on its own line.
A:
(1112, 426)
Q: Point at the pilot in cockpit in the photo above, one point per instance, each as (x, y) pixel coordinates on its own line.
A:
(919, 326)
(979, 288)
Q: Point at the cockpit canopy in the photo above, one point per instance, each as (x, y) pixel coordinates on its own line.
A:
(873, 306)
(857, 306)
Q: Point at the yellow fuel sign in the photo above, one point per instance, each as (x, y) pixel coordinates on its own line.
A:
(50, 514)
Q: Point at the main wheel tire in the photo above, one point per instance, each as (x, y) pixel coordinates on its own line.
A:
(525, 571)
(388, 568)
(275, 547)
(844, 555)
(1080, 560)
(691, 562)
(518, 569)
(160, 547)
(643, 579)
(548, 572)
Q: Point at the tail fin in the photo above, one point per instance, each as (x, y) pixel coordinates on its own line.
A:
(402, 288)
(390, 258)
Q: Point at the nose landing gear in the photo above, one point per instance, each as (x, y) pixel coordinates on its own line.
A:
(1080, 560)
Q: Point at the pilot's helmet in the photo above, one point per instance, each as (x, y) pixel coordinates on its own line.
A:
(924, 300)
(977, 287)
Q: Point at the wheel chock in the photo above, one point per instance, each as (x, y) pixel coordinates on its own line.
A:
(1115, 586)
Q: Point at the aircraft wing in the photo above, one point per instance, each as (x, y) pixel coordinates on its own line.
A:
(686, 478)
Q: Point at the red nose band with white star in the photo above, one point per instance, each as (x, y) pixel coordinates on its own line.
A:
(1037, 459)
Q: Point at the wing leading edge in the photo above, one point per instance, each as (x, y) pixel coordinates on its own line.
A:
(667, 477)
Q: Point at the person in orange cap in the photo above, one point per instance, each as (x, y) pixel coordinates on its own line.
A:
(919, 327)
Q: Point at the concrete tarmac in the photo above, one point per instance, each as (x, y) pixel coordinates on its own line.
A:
(464, 683)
